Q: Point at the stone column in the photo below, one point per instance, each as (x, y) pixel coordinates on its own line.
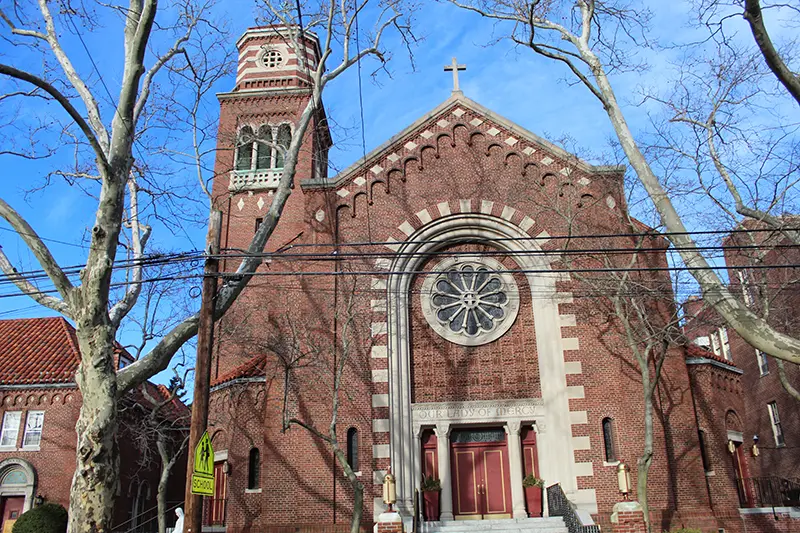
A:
(515, 465)
(443, 453)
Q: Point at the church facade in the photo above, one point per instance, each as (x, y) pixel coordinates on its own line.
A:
(446, 298)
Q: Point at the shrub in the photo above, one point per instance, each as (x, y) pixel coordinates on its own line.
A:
(532, 481)
(429, 484)
(47, 518)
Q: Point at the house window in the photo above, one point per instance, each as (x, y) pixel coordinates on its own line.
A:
(10, 431)
(254, 469)
(775, 420)
(608, 440)
(763, 365)
(33, 429)
(701, 435)
(720, 344)
(352, 449)
(271, 59)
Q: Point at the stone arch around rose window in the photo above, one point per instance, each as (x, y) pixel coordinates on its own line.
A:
(556, 444)
(27, 489)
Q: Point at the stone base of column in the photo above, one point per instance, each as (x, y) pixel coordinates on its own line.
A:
(446, 516)
(389, 522)
(627, 517)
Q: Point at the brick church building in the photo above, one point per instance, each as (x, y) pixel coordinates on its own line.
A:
(448, 274)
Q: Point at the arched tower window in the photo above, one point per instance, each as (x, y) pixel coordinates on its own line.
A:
(264, 151)
(352, 449)
(254, 469)
(609, 441)
(244, 153)
(284, 138)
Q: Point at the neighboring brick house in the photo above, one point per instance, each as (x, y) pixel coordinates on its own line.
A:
(39, 407)
(438, 267)
(752, 407)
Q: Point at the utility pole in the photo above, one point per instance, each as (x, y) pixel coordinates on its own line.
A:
(202, 367)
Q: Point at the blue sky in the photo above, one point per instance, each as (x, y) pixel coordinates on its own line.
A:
(515, 83)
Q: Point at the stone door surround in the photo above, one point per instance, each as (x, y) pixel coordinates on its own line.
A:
(443, 417)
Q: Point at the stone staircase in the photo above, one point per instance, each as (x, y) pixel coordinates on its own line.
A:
(512, 525)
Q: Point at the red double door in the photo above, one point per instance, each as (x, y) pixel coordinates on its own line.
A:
(481, 488)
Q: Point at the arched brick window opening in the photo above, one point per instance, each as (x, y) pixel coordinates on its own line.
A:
(609, 441)
(352, 449)
(701, 435)
(254, 469)
(284, 137)
(244, 153)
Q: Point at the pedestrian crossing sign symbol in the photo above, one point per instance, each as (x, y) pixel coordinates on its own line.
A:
(204, 457)
(203, 472)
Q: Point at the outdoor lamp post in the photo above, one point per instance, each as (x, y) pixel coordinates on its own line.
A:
(624, 478)
(389, 490)
(756, 451)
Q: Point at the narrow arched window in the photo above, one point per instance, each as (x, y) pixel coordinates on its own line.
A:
(701, 435)
(284, 138)
(608, 440)
(244, 152)
(352, 449)
(254, 469)
(264, 151)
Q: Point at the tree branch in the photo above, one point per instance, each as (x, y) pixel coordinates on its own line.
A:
(754, 17)
(39, 250)
(12, 72)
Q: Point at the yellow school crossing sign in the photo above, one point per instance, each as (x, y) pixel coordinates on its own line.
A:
(203, 473)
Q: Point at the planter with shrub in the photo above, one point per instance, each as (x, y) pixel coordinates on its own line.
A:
(430, 498)
(533, 494)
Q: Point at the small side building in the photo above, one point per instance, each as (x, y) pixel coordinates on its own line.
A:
(39, 407)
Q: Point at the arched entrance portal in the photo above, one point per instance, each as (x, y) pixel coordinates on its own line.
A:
(17, 488)
(551, 411)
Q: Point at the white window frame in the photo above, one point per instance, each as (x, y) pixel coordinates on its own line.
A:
(763, 364)
(714, 336)
(775, 421)
(725, 344)
(33, 431)
(8, 430)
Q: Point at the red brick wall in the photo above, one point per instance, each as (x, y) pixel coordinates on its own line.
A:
(445, 371)
(54, 462)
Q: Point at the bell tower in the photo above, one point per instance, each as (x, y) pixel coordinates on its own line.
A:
(257, 117)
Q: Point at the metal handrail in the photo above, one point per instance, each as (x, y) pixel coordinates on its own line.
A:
(768, 491)
(559, 505)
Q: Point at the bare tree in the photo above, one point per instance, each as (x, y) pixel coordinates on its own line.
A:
(112, 166)
(298, 346)
(164, 423)
(589, 38)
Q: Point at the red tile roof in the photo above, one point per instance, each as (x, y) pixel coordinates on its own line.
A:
(37, 350)
(254, 368)
(693, 350)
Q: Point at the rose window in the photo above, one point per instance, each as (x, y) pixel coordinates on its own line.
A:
(471, 301)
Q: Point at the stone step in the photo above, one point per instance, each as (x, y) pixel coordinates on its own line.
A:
(510, 525)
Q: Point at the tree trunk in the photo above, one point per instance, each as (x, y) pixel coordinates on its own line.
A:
(358, 489)
(95, 483)
(646, 459)
(162, 499)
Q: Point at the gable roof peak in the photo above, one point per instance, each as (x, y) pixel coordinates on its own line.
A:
(460, 104)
